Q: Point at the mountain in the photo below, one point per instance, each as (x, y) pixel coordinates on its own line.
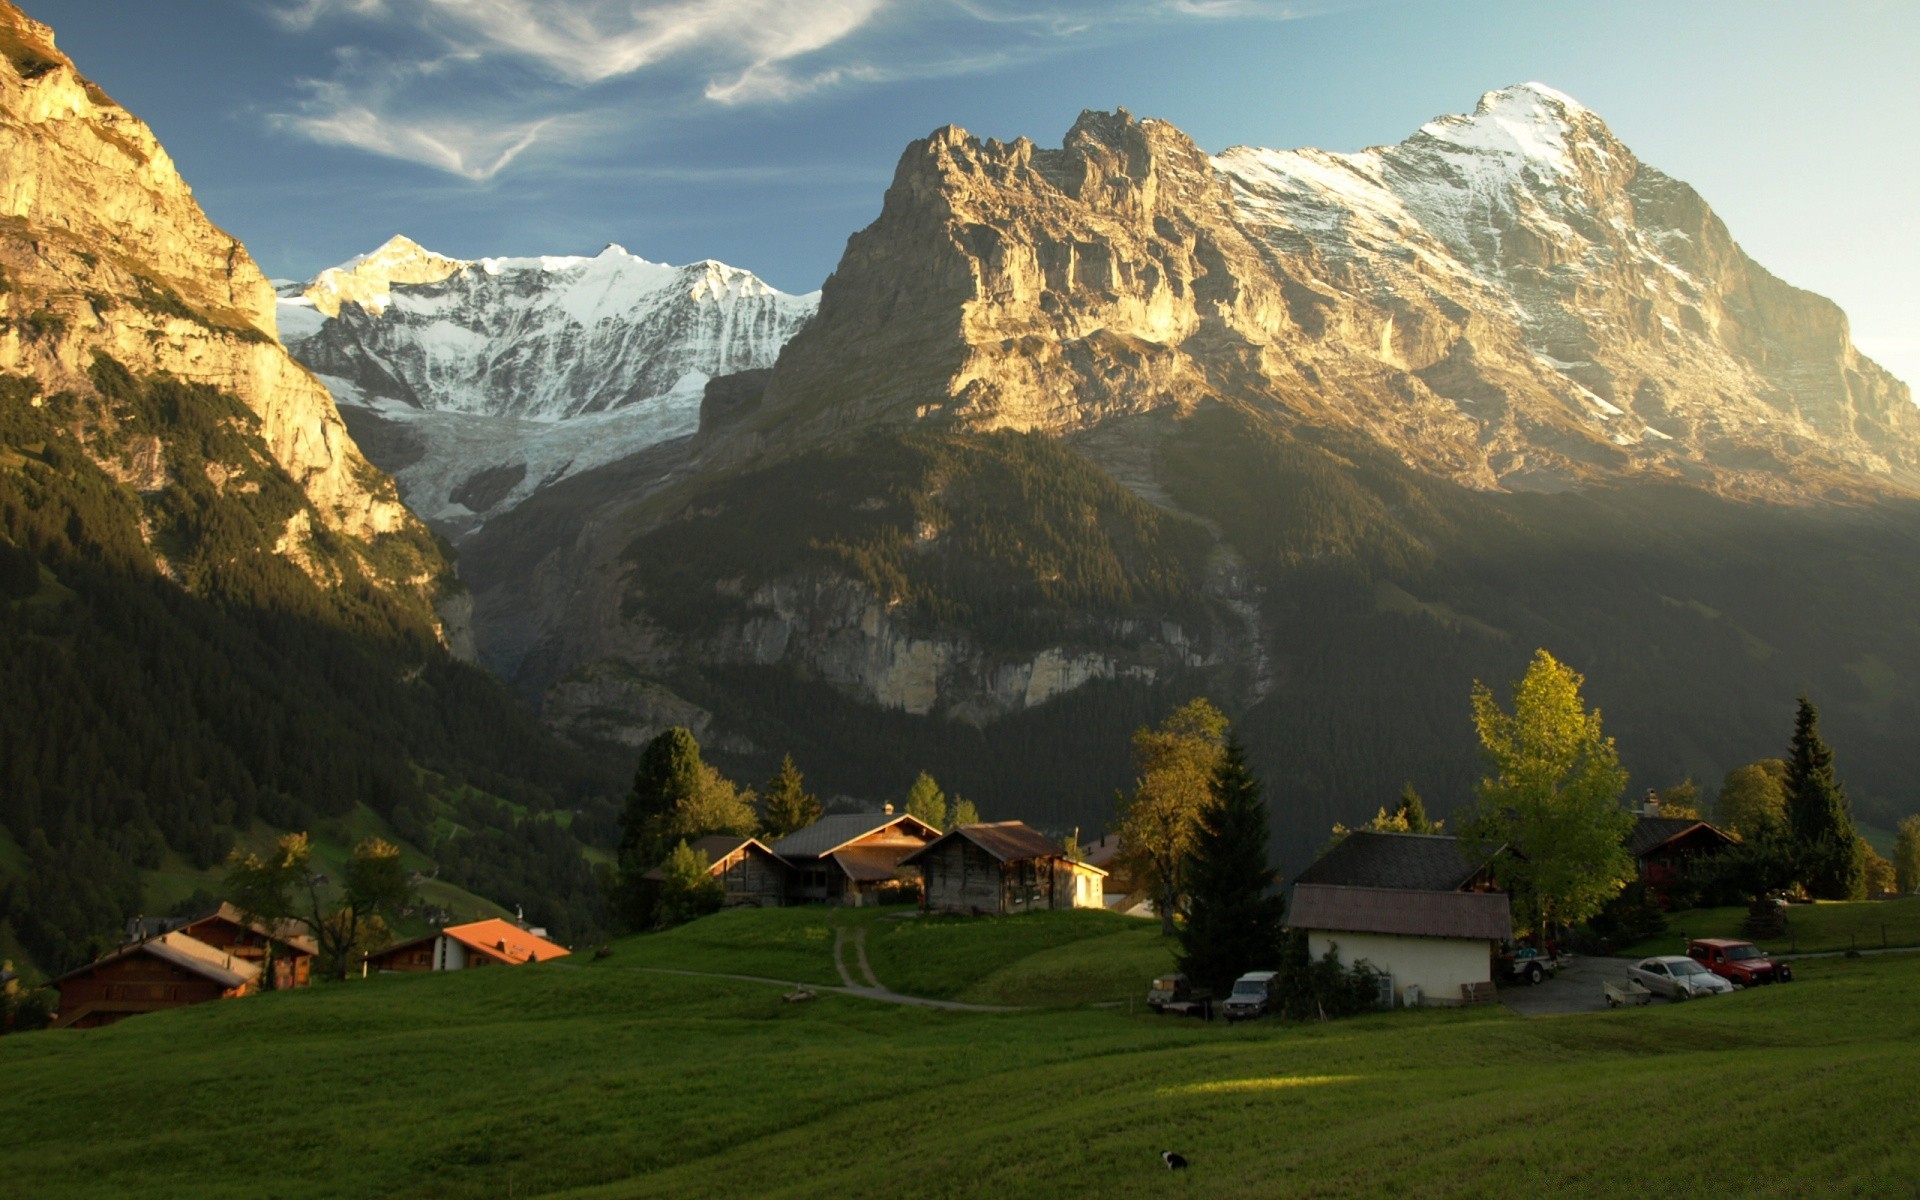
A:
(217, 619)
(478, 383)
(1079, 432)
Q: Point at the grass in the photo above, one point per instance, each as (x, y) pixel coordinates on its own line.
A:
(582, 1079)
(1075, 957)
(1812, 928)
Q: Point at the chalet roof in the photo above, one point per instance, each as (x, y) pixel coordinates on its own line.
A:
(1405, 912)
(1006, 841)
(1651, 833)
(1102, 852)
(718, 847)
(871, 864)
(288, 933)
(1421, 861)
(188, 953)
(505, 941)
(828, 834)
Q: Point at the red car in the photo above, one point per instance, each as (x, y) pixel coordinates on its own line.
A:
(1741, 962)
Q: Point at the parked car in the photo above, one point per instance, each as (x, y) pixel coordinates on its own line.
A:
(1176, 994)
(1526, 964)
(1742, 963)
(1677, 977)
(1251, 997)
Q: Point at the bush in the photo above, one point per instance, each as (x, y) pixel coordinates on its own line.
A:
(1629, 918)
(1318, 989)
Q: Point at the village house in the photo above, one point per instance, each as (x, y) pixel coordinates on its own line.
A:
(294, 949)
(459, 947)
(852, 858)
(1665, 849)
(148, 975)
(1414, 906)
(1000, 868)
(749, 872)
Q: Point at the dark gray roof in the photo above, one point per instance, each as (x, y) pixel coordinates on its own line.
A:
(1007, 841)
(1422, 861)
(1651, 833)
(1401, 912)
(830, 833)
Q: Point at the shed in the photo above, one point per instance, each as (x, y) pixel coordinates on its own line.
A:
(169, 971)
(749, 871)
(851, 858)
(294, 949)
(1003, 867)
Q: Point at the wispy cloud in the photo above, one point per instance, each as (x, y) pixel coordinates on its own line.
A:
(492, 79)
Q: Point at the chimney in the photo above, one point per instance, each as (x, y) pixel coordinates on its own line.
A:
(886, 809)
(1652, 806)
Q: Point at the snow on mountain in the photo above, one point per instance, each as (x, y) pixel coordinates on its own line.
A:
(478, 382)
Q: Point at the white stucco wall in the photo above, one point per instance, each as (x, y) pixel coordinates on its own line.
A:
(449, 954)
(1438, 965)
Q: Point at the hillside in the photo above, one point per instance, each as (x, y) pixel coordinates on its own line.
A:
(1078, 433)
(601, 1079)
(215, 615)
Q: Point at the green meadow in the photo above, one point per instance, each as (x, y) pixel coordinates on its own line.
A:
(1821, 927)
(602, 1078)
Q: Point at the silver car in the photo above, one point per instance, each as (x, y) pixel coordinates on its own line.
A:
(1677, 977)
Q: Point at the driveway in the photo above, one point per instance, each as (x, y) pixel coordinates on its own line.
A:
(1575, 989)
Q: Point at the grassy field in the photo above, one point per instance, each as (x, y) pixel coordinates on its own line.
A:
(593, 1079)
(1826, 925)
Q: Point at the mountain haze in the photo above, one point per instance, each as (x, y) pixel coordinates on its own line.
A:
(1079, 432)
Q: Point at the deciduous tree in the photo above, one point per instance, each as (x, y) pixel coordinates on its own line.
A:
(1753, 798)
(1826, 846)
(374, 887)
(675, 796)
(1234, 920)
(1551, 794)
(1906, 856)
(1158, 822)
(688, 891)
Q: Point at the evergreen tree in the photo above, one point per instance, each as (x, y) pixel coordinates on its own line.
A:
(1234, 922)
(788, 805)
(669, 769)
(926, 801)
(962, 813)
(689, 891)
(1413, 812)
(1826, 847)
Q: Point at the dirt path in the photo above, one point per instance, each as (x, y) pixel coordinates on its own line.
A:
(866, 993)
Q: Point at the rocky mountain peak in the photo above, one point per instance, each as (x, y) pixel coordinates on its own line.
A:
(367, 280)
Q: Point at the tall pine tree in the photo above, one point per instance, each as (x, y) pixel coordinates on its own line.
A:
(788, 805)
(1831, 863)
(669, 769)
(1233, 919)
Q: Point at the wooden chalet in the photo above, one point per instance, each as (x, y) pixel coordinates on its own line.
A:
(294, 949)
(150, 974)
(1417, 907)
(1000, 868)
(458, 947)
(1666, 848)
(852, 858)
(749, 872)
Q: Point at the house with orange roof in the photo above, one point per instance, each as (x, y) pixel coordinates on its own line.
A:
(457, 947)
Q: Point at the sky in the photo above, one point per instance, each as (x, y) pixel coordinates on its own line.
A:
(764, 132)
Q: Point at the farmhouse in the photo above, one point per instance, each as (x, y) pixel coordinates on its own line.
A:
(1415, 906)
(168, 971)
(851, 858)
(1666, 848)
(1003, 867)
(458, 947)
(226, 928)
(749, 872)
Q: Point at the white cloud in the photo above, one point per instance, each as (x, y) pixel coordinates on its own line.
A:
(535, 65)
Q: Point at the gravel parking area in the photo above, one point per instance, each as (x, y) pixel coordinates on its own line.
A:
(1575, 989)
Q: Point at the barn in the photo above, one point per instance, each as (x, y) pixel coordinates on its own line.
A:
(226, 928)
(1000, 868)
(169, 971)
(1417, 907)
(750, 873)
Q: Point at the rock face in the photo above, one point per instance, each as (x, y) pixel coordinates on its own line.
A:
(105, 251)
(478, 383)
(1510, 299)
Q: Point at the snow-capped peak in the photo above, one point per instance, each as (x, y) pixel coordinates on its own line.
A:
(1528, 121)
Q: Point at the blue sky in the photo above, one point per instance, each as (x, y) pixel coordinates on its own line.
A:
(763, 132)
